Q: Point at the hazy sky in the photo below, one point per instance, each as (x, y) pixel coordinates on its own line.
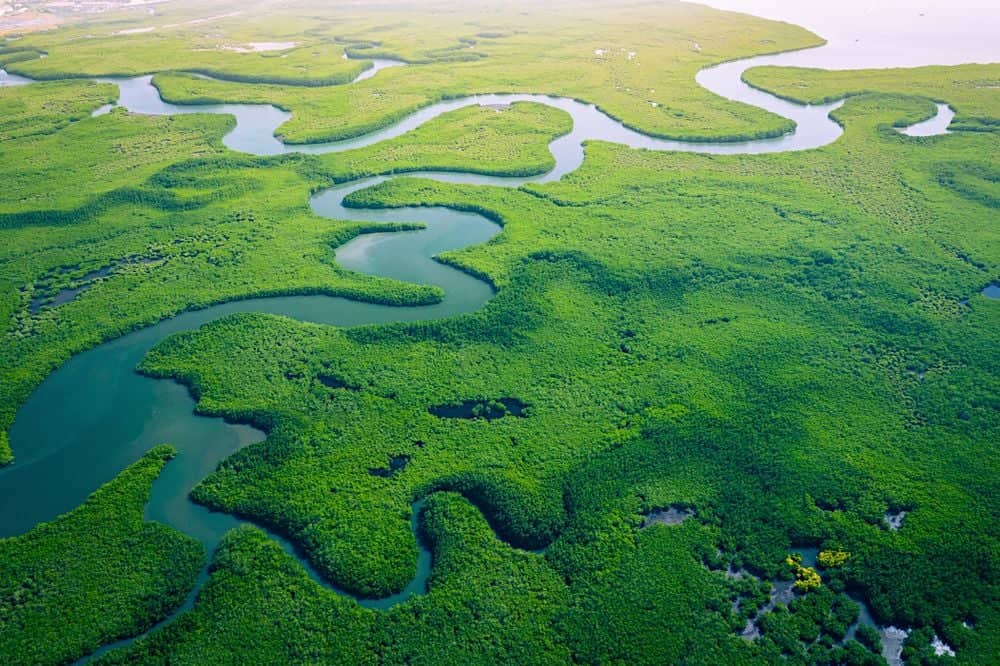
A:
(891, 32)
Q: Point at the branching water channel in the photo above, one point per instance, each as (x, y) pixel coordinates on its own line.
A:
(99, 432)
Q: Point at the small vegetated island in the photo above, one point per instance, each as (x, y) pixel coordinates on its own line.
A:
(319, 347)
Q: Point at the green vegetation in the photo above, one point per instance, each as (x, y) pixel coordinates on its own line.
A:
(637, 62)
(93, 575)
(112, 154)
(869, 637)
(12, 54)
(179, 233)
(179, 37)
(505, 142)
(488, 604)
(789, 346)
(812, 630)
(778, 341)
(45, 108)
(971, 90)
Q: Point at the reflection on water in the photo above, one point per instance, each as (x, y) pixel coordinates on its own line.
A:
(888, 33)
(378, 64)
(932, 126)
(12, 79)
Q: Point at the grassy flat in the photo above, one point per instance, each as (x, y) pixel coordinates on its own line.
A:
(44, 109)
(970, 89)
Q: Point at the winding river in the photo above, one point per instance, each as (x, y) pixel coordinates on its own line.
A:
(123, 414)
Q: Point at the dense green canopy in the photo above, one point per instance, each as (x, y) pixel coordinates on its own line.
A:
(789, 347)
